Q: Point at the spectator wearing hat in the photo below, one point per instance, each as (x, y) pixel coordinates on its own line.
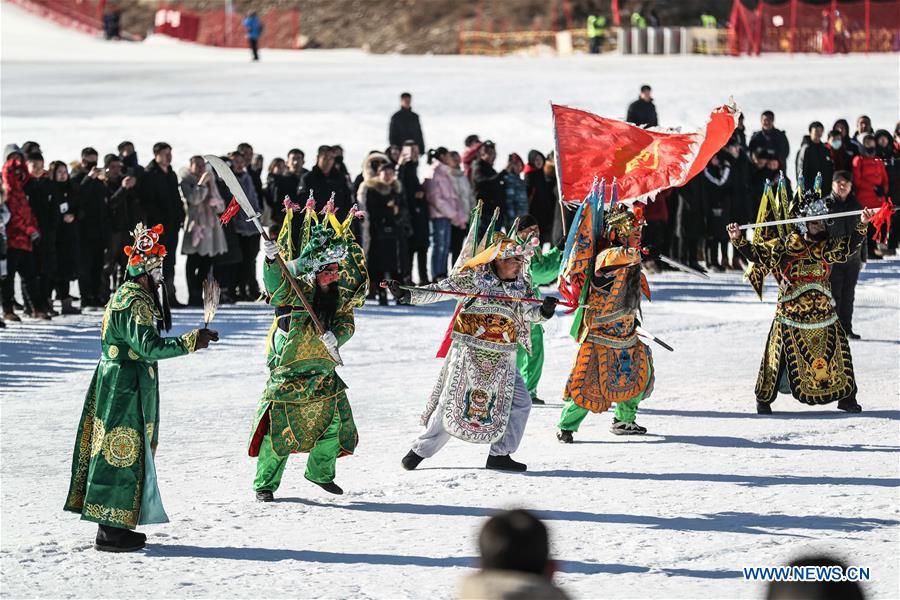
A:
(388, 236)
(814, 157)
(405, 125)
(642, 111)
(771, 138)
(514, 560)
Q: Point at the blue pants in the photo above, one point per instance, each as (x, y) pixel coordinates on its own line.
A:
(440, 247)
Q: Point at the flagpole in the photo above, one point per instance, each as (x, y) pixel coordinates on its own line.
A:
(558, 169)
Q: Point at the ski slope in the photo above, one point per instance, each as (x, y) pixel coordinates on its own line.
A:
(677, 513)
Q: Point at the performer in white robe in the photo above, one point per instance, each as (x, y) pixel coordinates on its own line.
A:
(480, 396)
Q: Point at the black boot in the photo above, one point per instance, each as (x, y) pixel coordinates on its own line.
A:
(264, 496)
(763, 408)
(565, 436)
(504, 463)
(330, 487)
(536, 400)
(116, 539)
(849, 405)
(382, 297)
(411, 460)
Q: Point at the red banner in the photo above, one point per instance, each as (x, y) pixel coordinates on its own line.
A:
(643, 161)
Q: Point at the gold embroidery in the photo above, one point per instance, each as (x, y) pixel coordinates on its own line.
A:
(142, 313)
(133, 355)
(113, 351)
(150, 431)
(121, 446)
(151, 372)
(97, 434)
(190, 340)
(127, 518)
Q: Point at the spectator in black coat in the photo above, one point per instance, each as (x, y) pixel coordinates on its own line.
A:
(122, 208)
(285, 183)
(323, 180)
(160, 202)
(691, 220)
(39, 191)
(130, 164)
(718, 185)
(844, 275)
(417, 207)
(762, 171)
(405, 125)
(541, 200)
(387, 255)
(642, 111)
(93, 223)
(65, 199)
(253, 171)
(814, 157)
(769, 137)
(487, 184)
(741, 203)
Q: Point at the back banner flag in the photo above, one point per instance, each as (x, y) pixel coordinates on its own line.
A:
(643, 161)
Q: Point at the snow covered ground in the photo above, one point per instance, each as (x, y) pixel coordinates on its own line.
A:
(677, 513)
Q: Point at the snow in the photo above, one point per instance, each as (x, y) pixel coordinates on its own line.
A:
(712, 488)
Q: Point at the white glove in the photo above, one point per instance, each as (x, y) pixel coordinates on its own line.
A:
(271, 249)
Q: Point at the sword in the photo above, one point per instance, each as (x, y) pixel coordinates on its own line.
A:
(646, 334)
(224, 172)
(849, 213)
(674, 263)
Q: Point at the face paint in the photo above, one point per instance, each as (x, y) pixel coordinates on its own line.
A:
(156, 275)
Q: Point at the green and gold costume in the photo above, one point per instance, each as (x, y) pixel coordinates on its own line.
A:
(304, 407)
(113, 474)
(807, 353)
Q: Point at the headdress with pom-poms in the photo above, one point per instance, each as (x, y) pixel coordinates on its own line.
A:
(145, 253)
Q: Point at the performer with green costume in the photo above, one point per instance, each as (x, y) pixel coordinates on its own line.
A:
(113, 474)
(542, 270)
(304, 408)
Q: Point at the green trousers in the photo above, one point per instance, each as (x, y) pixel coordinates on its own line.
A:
(319, 465)
(572, 414)
(532, 365)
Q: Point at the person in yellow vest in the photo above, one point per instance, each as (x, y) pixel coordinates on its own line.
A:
(596, 32)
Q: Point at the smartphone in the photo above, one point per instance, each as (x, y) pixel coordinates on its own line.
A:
(406, 152)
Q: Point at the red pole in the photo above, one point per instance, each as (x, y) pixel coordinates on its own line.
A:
(616, 18)
(567, 11)
(793, 32)
(553, 14)
(832, 24)
(757, 44)
(868, 6)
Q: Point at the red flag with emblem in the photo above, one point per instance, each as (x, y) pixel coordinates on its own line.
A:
(644, 162)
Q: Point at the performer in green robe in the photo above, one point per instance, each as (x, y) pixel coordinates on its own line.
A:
(542, 270)
(113, 474)
(304, 407)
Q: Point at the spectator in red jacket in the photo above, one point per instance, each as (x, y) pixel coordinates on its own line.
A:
(473, 146)
(22, 232)
(870, 180)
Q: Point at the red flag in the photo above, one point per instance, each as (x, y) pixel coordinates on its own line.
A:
(643, 161)
(233, 208)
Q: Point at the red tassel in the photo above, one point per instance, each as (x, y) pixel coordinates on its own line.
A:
(882, 222)
(233, 208)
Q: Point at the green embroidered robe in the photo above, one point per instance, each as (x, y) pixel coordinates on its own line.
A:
(303, 390)
(113, 475)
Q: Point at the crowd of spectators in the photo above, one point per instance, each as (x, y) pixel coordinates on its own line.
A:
(69, 222)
